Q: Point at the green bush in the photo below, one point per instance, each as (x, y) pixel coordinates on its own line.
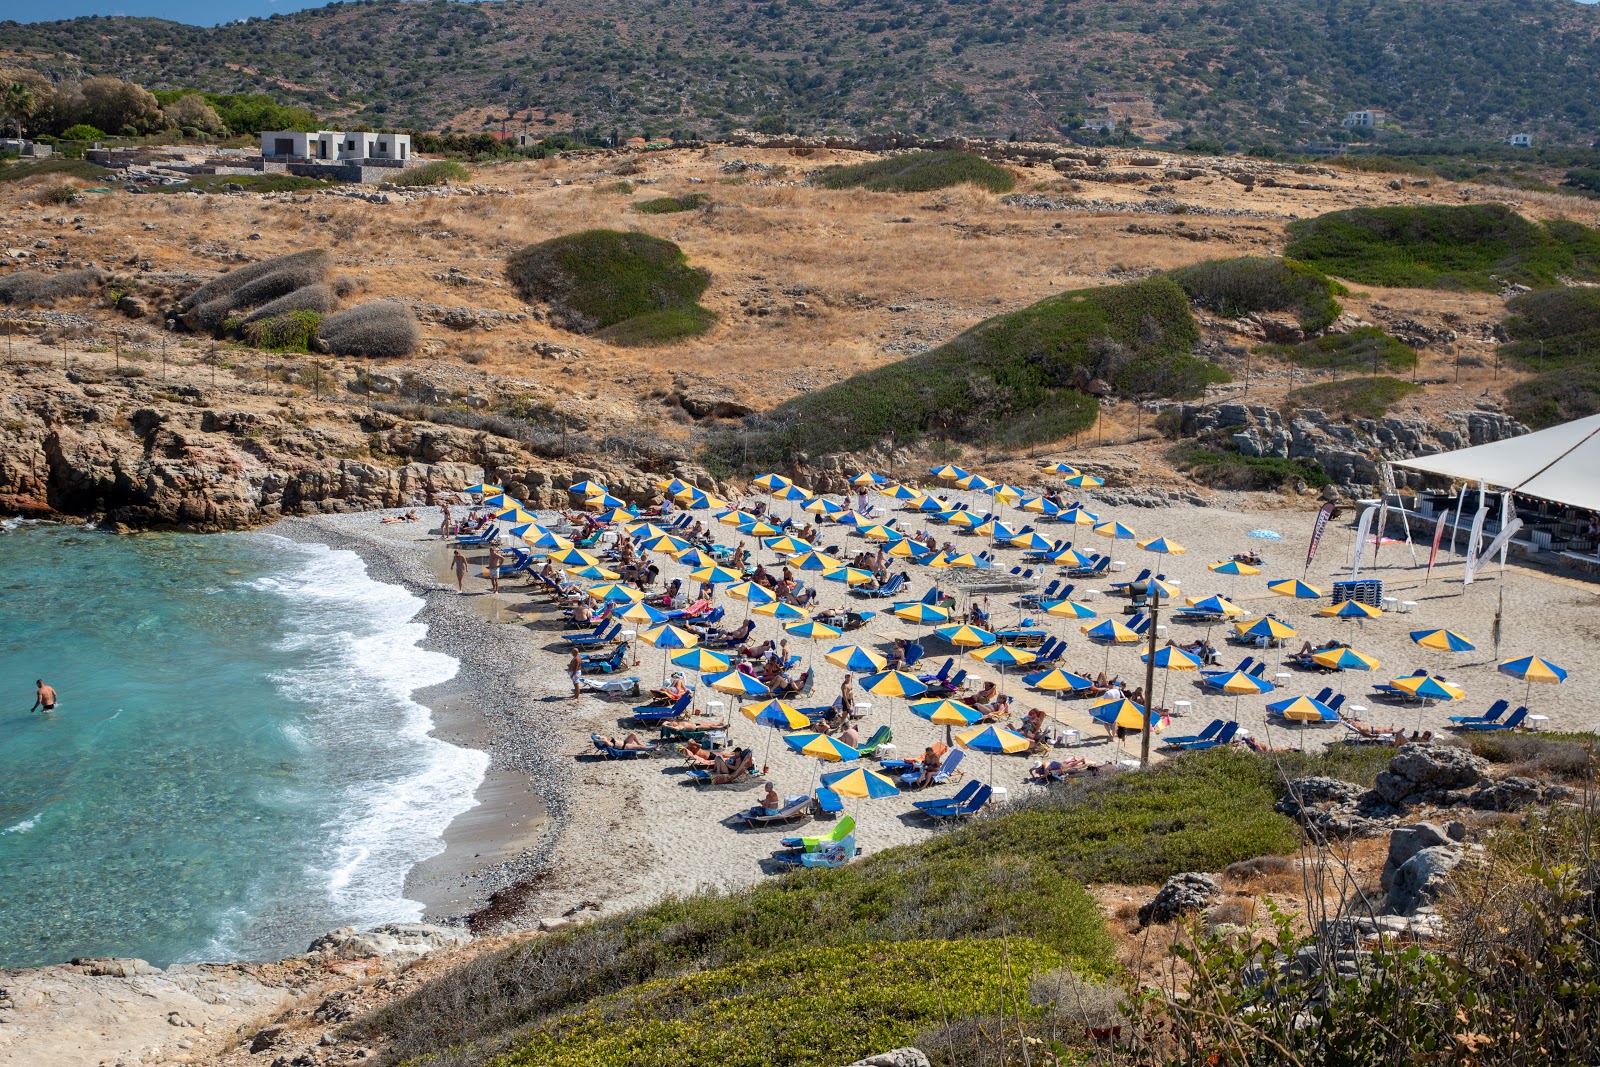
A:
(1365, 348)
(1354, 398)
(622, 188)
(59, 194)
(82, 132)
(1552, 328)
(1224, 467)
(815, 1008)
(1381, 165)
(1555, 397)
(918, 172)
(1239, 286)
(438, 172)
(292, 331)
(32, 288)
(599, 280)
(71, 168)
(1439, 247)
(667, 205)
(1011, 380)
(250, 183)
(381, 329)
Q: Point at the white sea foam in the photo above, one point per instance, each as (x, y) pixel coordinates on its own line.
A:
(24, 826)
(397, 787)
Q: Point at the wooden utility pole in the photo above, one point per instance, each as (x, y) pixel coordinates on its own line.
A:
(1153, 598)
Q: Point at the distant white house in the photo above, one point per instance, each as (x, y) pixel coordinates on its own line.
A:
(1520, 140)
(1365, 120)
(334, 146)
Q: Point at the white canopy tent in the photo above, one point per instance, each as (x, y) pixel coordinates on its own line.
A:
(1560, 464)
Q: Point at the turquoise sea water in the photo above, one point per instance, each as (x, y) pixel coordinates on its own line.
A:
(236, 764)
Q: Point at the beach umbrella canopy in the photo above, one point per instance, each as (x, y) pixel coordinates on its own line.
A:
(1218, 604)
(1058, 681)
(1084, 481)
(666, 543)
(790, 546)
(1069, 609)
(1442, 640)
(976, 482)
(644, 613)
(1111, 631)
(514, 513)
(1173, 658)
(755, 594)
(848, 576)
(948, 473)
(965, 519)
(575, 557)
(644, 531)
(1232, 566)
(702, 660)
(616, 594)
(502, 500)
(603, 501)
(716, 575)
(920, 612)
(736, 518)
(545, 539)
(881, 533)
(1059, 468)
(866, 478)
(1157, 585)
(1265, 535)
(1239, 683)
(775, 713)
(850, 518)
(757, 528)
(1078, 516)
(1003, 655)
(1350, 609)
(482, 489)
(893, 684)
(995, 740)
(1040, 505)
(1116, 531)
(519, 530)
(856, 658)
(782, 611)
(1000, 531)
(1429, 688)
(792, 492)
(945, 712)
(615, 515)
(670, 637)
(1345, 659)
(905, 548)
(770, 482)
(699, 498)
(1534, 669)
(952, 559)
(588, 489)
(1303, 709)
(694, 558)
(1163, 545)
(1294, 587)
(815, 561)
(738, 683)
(972, 636)
(823, 506)
(1267, 627)
(900, 492)
(1067, 556)
(593, 574)
(1006, 494)
(860, 783)
(821, 746)
(1121, 713)
(812, 629)
(673, 485)
(929, 502)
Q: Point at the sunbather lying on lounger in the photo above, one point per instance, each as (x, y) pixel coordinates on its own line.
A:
(631, 743)
(731, 770)
(672, 691)
(698, 754)
(1256, 746)
(1056, 770)
(1377, 733)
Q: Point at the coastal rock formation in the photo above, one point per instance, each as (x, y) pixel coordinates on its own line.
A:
(1181, 895)
(1422, 879)
(898, 1057)
(397, 942)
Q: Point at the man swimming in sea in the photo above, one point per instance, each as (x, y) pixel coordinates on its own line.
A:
(46, 700)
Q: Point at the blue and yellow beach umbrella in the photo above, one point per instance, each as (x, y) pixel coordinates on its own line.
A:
(1116, 531)
(919, 612)
(821, 746)
(738, 684)
(945, 712)
(812, 629)
(856, 658)
(893, 684)
(775, 713)
(1232, 566)
(1069, 609)
(1345, 659)
(860, 783)
(1442, 640)
(968, 636)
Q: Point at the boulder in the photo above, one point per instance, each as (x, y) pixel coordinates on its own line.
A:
(899, 1057)
(1419, 771)
(1422, 879)
(1407, 841)
(114, 967)
(389, 941)
(1183, 894)
(1508, 794)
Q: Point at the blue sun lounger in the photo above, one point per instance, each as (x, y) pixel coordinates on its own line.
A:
(970, 807)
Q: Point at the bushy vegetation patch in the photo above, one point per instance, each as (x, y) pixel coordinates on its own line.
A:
(291, 331)
(1354, 398)
(601, 279)
(1222, 466)
(311, 265)
(1234, 287)
(1381, 165)
(1011, 380)
(1442, 247)
(918, 172)
(1552, 328)
(1555, 397)
(318, 298)
(438, 172)
(814, 1008)
(70, 168)
(1364, 348)
(668, 205)
(35, 288)
(382, 329)
(249, 183)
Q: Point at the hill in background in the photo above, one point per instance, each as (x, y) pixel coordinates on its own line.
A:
(1237, 71)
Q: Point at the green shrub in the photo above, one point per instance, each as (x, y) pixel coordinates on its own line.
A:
(667, 205)
(1224, 467)
(1354, 398)
(1381, 165)
(1555, 397)
(59, 194)
(318, 298)
(1239, 286)
(209, 307)
(82, 132)
(1365, 348)
(32, 288)
(289, 332)
(1439, 247)
(438, 172)
(382, 329)
(600, 279)
(71, 168)
(1011, 380)
(1552, 328)
(622, 188)
(815, 1008)
(918, 172)
(250, 183)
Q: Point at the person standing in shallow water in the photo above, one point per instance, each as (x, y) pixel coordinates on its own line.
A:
(495, 559)
(45, 700)
(458, 563)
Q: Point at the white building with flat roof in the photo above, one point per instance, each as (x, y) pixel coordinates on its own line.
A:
(1520, 140)
(1364, 120)
(332, 146)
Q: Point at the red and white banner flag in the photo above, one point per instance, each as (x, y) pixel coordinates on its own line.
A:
(1316, 533)
(1438, 535)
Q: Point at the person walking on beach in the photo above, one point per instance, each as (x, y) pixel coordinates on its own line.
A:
(575, 672)
(444, 522)
(45, 701)
(495, 559)
(458, 563)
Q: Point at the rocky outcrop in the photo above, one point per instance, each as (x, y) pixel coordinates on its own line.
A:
(396, 942)
(1422, 880)
(1350, 452)
(898, 1057)
(1183, 894)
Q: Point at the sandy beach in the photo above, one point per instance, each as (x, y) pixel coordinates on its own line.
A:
(609, 835)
